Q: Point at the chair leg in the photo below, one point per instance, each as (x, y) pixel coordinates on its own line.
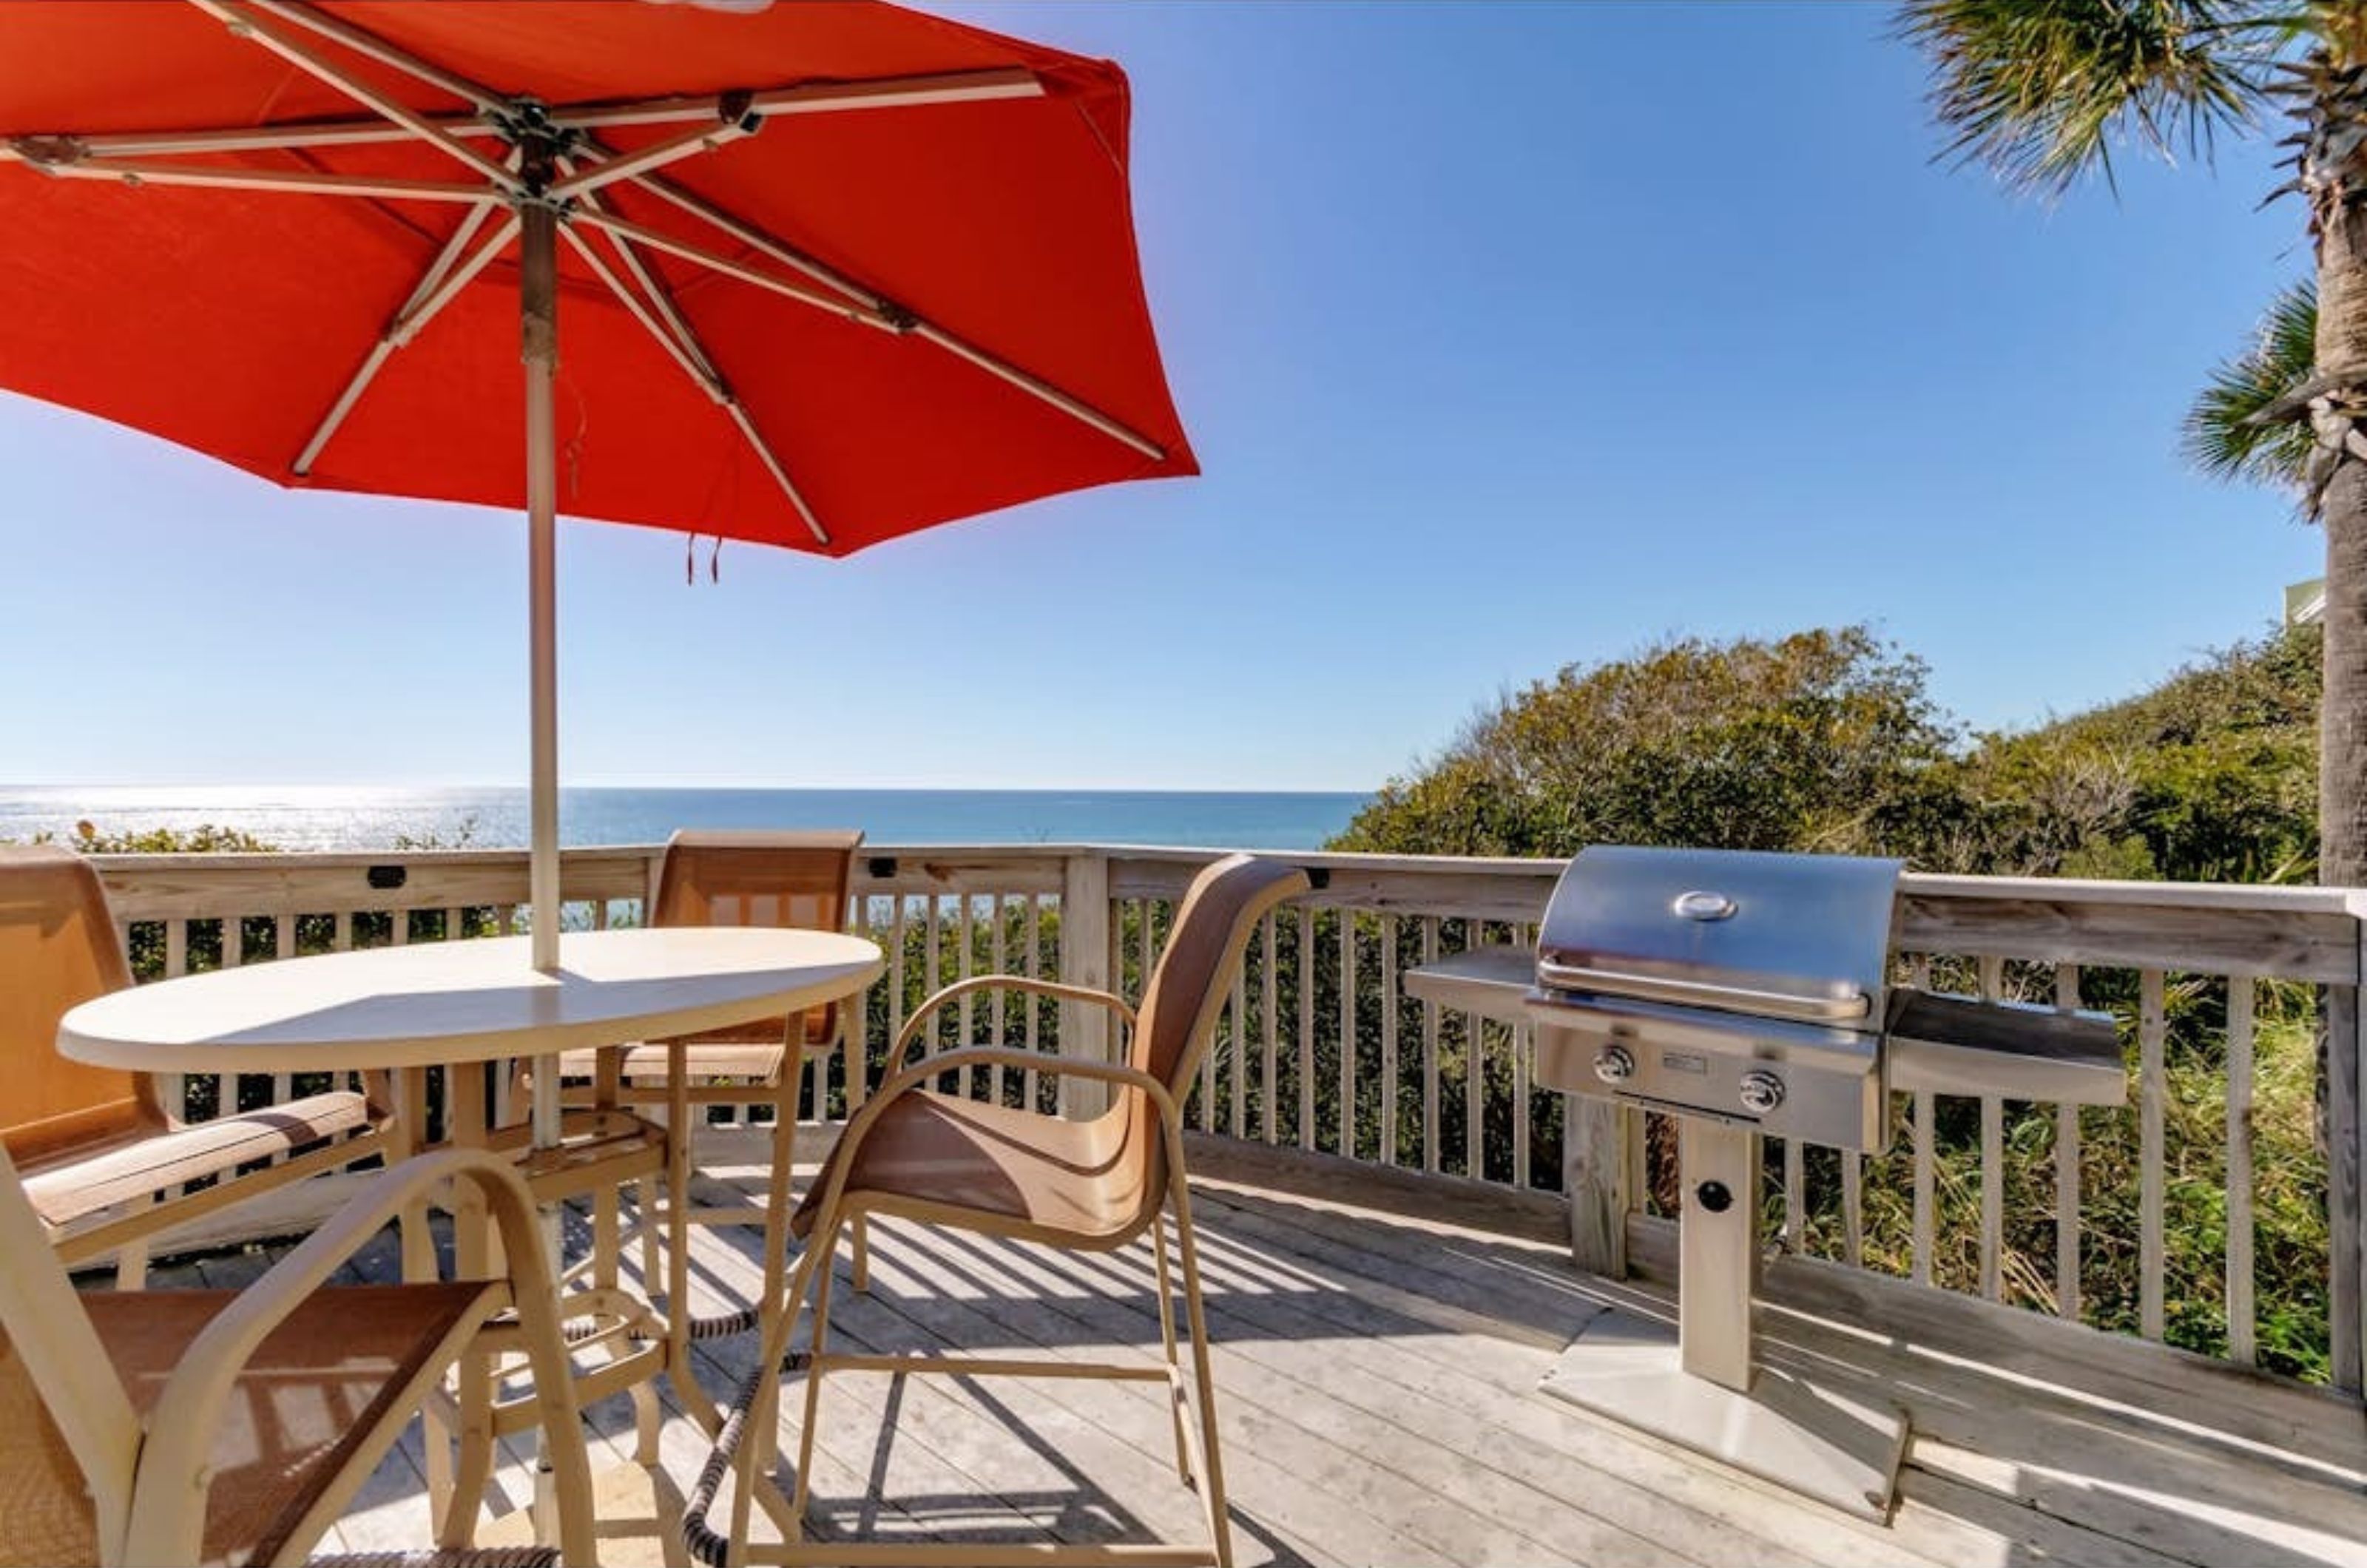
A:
(760, 1419)
(647, 1190)
(1212, 1469)
(802, 1494)
(645, 1209)
(131, 1265)
(649, 1422)
(473, 1249)
(649, 1418)
(863, 1252)
(1167, 1339)
(777, 1187)
(562, 1497)
(437, 1438)
(777, 1195)
(682, 1131)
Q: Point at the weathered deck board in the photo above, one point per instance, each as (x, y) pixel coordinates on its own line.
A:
(1376, 1357)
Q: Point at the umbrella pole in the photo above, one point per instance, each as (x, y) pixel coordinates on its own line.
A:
(538, 313)
(538, 327)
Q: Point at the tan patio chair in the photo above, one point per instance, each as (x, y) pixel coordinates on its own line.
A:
(100, 1151)
(1093, 1184)
(180, 1426)
(723, 877)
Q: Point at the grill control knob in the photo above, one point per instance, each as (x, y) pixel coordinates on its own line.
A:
(1615, 1064)
(1761, 1092)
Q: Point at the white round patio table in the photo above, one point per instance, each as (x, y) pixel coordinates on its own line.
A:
(406, 1009)
(435, 1004)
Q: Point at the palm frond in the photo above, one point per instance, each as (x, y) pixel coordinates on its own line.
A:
(2222, 434)
(2039, 89)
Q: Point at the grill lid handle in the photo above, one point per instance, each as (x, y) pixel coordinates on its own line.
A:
(1703, 993)
(1703, 904)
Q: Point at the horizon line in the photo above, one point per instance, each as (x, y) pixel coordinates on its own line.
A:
(769, 788)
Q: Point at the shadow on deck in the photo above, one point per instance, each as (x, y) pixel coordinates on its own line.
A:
(1378, 1345)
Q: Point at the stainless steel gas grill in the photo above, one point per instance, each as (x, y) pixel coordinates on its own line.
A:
(1747, 994)
(1708, 983)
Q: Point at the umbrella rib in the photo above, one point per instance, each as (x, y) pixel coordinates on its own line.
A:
(301, 182)
(816, 97)
(437, 288)
(739, 416)
(891, 91)
(255, 30)
(1037, 387)
(657, 239)
(878, 309)
(461, 277)
(695, 362)
(684, 351)
(746, 233)
(287, 137)
(660, 299)
(719, 131)
(369, 44)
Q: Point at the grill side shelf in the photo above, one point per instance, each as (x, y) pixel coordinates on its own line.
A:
(1945, 1044)
(1493, 981)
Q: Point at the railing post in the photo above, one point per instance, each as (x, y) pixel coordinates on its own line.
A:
(1084, 961)
(2346, 1063)
(1594, 1178)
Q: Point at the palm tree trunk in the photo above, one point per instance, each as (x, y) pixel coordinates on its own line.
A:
(2342, 724)
(2342, 744)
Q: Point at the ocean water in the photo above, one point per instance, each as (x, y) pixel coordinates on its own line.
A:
(336, 817)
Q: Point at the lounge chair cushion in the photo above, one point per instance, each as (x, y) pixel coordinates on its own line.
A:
(152, 1162)
(1072, 1180)
(312, 1392)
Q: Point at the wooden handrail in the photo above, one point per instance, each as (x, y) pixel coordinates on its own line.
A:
(1093, 916)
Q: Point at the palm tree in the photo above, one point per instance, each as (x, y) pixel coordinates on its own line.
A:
(2234, 428)
(2043, 90)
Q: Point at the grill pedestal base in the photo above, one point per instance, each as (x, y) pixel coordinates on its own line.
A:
(1786, 1430)
(1699, 1385)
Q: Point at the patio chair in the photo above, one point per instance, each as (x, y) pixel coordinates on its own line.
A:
(185, 1427)
(1093, 1184)
(797, 880)
(101, 1151)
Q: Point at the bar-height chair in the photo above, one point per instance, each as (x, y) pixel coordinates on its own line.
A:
(723, 877)
(100, 1152)
(186, 1427)
(1095, 1184)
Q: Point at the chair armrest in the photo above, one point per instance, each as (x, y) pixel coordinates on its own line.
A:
(928, 1067)
(960, 988)
(170, 1500)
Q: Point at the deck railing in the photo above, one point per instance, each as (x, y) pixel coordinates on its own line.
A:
(2224, 993)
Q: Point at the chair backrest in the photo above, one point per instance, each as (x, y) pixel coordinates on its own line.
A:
(723, 877)
(58, 949)
(1186, 991)
(69, 1436)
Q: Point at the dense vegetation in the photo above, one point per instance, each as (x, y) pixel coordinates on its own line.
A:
(1829, 741)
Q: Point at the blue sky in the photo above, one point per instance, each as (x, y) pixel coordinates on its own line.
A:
(1509, 337)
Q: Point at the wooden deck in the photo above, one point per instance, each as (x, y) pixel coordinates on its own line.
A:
(1378, 1349)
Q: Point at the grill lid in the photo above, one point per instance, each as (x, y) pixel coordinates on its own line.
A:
(1792, 936)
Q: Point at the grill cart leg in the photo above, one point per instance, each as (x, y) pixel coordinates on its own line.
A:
(1699, 1386)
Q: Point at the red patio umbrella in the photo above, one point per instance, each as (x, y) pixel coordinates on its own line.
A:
(816, 275)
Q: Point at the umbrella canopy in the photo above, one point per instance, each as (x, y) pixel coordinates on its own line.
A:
(816, 276)
(829, 273)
